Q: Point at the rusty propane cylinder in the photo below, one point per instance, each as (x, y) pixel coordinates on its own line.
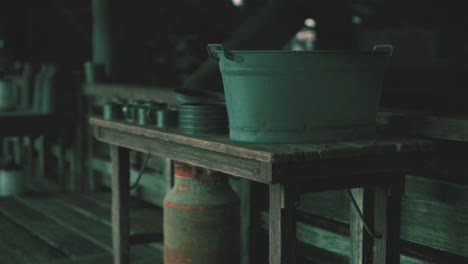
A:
(201, 218)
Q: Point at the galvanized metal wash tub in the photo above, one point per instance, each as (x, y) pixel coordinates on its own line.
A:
(294, 96)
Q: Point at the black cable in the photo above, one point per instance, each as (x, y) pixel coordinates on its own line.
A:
(361, 216)
(140, 173)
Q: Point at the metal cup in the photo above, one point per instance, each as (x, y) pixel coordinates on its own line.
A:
(130, 110)
(166, 117)
(142, 115)
(112, 110)
(151, 111)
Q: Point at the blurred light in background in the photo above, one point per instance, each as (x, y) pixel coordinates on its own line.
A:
(310, 22)
(238, 2)
(356, 20)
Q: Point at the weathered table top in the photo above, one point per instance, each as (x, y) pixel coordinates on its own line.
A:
(265, 162)
(22, 123)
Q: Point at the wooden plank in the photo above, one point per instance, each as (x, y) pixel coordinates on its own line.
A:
(282, 225)
(436, 191)
(120, 204)
(48, 230)
(229, 164)
(426, 204)
(318, 237)
(130, 92)
(361, 241)
(155, 163)
(275, 225)
(242, 187)
(387, 209)
(145, 217)
(21, 247)
(431, 125)
(269, 152)
(95, 259)
(140, 254)
(152, 185)
(331, 205)
(438, 225)
(83, 226)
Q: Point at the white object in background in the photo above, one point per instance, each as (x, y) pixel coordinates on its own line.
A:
(305, 39)
(7, 96)
(10, 182)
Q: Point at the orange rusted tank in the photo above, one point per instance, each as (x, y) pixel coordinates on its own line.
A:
(201, 218)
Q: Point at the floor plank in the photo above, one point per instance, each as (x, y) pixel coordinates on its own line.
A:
(47, 229)
(18, 246)
(71, 228)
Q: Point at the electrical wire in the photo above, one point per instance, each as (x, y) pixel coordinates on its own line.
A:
(361, 216)
(140, 173)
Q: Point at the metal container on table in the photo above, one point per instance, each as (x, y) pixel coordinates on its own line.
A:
(203, 118)
(112, 110)
(146, 112)
(201, 218)
(275, 96)
(167, 117)
(130, 110)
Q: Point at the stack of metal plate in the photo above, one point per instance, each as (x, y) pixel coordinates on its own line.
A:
(203, 118)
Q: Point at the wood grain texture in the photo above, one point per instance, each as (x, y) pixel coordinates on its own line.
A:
(282, 225)
(318, 237)
(226, 163)
(120, 204)
(425, 207)
(272, 152)
(83, 226)
(130, 91)
(361, 242)
(387, 208)
(243, 190)
(275, 225)
(47, 229)
(430, 125)
(21, 247)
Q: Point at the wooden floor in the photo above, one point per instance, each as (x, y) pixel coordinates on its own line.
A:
(70, 228)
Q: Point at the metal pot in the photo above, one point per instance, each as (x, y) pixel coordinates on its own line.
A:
(7, 96)
(298, 96)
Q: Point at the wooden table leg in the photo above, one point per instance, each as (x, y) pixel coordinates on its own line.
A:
(120, 204)
(387, 221)
(282, 227)
(361, 242)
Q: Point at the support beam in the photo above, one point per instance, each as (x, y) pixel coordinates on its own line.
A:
(120, 204)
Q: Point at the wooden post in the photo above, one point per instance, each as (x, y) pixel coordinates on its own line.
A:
(101, 35)
(120, 204)
(361, 241)
(282, 226)
(387, 221)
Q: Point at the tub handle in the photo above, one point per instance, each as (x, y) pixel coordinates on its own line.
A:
(213, 51)
(385, 48)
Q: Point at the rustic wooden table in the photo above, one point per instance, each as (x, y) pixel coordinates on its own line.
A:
(289, 170)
